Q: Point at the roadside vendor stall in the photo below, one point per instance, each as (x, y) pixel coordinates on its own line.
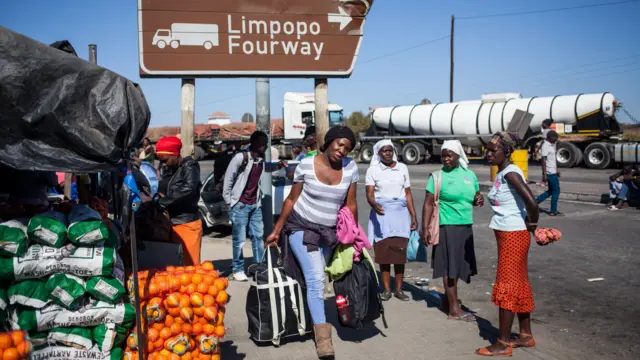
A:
(61, 272)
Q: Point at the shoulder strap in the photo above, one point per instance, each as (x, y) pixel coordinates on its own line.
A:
(245, 161)
(437, 182)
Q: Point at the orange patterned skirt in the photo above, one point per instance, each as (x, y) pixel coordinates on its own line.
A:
(512, 290)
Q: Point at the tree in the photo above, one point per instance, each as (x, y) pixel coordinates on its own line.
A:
(358, 122)
(247, 118)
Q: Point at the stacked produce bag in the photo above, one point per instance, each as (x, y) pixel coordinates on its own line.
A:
(63, 284)
(183, 310)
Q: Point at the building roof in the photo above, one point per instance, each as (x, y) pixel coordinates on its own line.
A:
(219, 114)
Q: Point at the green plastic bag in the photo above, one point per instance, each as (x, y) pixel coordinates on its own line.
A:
(107, 289)
(13, 237)
(4, 300)
(75, 337)
(65, 289)
(31, 293)
(53, 316)
(48, 228)
(86, 226)
(109, 336)
(40, 261)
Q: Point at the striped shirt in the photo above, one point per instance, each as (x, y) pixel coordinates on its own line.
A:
(319, 203)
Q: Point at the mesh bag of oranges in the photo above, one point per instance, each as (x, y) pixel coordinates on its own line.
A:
(15, 345)
(183, 313)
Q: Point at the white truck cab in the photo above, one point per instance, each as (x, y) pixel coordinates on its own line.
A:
(299, 112)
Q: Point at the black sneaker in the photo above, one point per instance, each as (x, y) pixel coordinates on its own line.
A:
(401, 296)
(385, 296)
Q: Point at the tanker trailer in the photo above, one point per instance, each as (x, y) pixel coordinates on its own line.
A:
(586, 124)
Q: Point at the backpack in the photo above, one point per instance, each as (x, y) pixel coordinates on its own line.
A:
(276, 304)
(223, 164)
(360, 289)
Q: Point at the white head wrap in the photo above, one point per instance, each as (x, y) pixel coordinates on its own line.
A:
(456, 147)
(375, 160)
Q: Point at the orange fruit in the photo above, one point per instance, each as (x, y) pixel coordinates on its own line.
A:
(222, 298)
(210, 313)
(24, 348)
(5, 341)
(209, 329)
(208, 265)
(169, 320)
(185, 279)
(183, 289)
(158, 344)
(185, 301)
(202, 288)
(176, 329)
(161, 356)
(205, 357)
(178, 320)
(165, 333)
(150, 346)
(196, 299)
(220, 331)
(208, 279)
(175, 312)
(175, 357)
(186, 356)
(163, 287)
(153, 289)
(197, 328)
(215, 357)
(198, 311)
(195, 354)
(152, 335)
(192, 288)
(196, 279)
(186, 314)
(213, 291)
(156, 301)
(172, 300)
(208, 300)
(10, 354)
(220, 318)
(219, 283)
(170, 268)
(158, 326)
(203, 321)
(174, 283)
(187, 329)
(190, 268)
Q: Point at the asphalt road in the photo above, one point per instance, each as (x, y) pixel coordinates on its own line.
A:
(578, 318)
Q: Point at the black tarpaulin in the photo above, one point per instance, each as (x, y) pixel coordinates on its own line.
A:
(61, 113)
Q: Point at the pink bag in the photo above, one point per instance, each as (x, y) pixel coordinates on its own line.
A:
(434, 224)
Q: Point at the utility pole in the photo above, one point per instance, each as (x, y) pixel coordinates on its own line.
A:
(93, 58)
(263, 123)
(453, 24)
(188, 108)
(321, 98)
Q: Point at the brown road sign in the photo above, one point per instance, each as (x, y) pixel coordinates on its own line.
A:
(235, 38)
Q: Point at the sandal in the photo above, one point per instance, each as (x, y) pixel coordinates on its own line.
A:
(556, 214)
(508, 351)
(468, 317)
(523, 341)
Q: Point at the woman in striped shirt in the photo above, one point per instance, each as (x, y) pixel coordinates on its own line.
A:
(323, 183)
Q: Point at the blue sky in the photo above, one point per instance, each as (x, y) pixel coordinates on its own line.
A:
(585, 50)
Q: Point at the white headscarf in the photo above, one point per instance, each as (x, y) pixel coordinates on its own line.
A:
(456, 147)
(375, 160)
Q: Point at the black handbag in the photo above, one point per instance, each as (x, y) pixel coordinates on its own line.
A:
(276, 303)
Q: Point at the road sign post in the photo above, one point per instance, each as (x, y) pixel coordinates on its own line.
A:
(321, 94)
(187, 120)
(263, 123)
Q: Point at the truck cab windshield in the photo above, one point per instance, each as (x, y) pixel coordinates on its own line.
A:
(335, 118)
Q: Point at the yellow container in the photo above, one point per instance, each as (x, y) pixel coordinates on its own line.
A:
(519, 158)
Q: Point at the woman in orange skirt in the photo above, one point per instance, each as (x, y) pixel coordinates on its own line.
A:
(515, 216)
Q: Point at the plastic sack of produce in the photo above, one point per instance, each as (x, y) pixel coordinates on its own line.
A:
(65, 290)
(4, 300)
(75, 337)
(13, 237)
(54, 316)
(86, 226)
(40, 261)
(69, 353)
(48, 228)
(109, 336)
(107, 289)
(31, 293)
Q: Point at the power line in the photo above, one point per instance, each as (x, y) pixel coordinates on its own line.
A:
(294, 81)
(546, 10)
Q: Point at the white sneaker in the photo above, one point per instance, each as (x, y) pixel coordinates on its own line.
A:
(240, 276)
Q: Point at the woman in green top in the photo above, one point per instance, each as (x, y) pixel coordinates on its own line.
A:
(453, 257)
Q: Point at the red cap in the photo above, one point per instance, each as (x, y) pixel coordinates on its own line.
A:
(170, 145)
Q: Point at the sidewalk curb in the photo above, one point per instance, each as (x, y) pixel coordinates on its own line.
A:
(571, 196)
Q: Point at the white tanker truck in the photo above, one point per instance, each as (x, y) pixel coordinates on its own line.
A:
(586, 124)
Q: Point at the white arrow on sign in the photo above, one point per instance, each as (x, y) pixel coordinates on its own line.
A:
(342, 18)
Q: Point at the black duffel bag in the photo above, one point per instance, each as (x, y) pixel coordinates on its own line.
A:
(360, 289)
(276, 304)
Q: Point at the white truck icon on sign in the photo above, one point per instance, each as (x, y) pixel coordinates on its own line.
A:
(180, 34)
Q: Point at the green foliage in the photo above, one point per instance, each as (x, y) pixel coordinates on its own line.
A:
(358, 122)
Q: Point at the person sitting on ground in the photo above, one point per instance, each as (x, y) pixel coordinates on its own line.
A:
(243, 196)
(310, 141)
(181, 198)
(550, 173)
(621, 185)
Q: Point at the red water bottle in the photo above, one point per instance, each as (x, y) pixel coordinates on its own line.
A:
(343, 310)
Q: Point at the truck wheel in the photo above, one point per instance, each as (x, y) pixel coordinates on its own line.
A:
(175, 44)
(366, 153)
(567, 155)
(597, 156)
(161, 44)
(412, 153)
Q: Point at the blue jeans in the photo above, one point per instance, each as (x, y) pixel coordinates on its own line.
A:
(243, 216)
(553, 191)
(313, 265)
(624, 189)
